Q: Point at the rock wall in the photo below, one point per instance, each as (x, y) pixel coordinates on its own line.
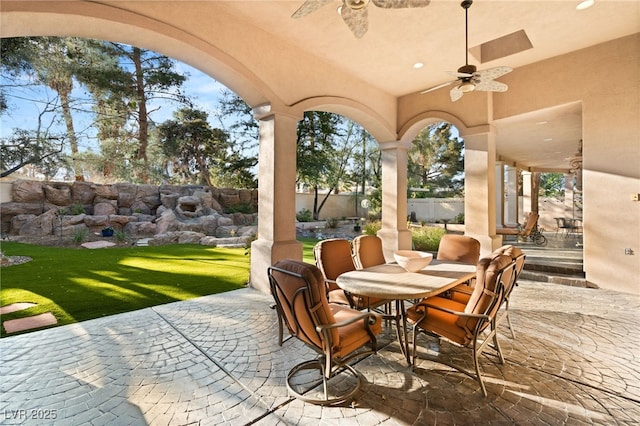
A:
(63, 209)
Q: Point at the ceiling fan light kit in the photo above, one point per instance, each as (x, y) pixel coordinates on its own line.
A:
(467, 76)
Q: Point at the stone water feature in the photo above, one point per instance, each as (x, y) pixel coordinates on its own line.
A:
(162, 214)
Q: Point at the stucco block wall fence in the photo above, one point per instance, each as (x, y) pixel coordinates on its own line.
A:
(348, 205)
(165, 214)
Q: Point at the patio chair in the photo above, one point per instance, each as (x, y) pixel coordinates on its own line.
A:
(459, 248)
(333, 258)
(462, 293)
(367, 251)
(463, 324)
(338, 334)
(530, 221)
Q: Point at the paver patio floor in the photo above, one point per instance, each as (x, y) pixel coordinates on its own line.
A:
(216, 360)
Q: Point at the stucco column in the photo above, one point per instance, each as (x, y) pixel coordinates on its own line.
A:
(511, 216)
(277, 194)
(480, 190)
(527, 189)
(500, 201)
(394, 232)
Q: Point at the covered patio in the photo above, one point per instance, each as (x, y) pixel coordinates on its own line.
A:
(573, 89)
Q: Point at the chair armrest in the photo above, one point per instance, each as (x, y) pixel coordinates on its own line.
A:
(372, 318)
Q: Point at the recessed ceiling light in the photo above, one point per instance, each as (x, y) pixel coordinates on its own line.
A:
(548, 139)
(418, 65)
(586, 4)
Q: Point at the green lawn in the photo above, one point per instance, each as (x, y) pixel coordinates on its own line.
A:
(77, 284)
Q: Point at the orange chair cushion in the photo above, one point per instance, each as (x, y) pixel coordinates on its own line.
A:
(333, 257)
(368, 251)
(459, 248)
(487, 272)
(352, 336)
(289, 285)
(439, 322)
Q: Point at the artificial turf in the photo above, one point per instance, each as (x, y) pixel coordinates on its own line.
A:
(77, 284)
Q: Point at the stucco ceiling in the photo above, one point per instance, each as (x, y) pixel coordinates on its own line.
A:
(435, 35)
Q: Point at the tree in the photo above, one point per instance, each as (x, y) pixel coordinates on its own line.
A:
(51, 61)
(193, 145)
(366, 170)
(552, 185)
(147, 76)
(436, 163)
(26, 148)
(238, 121)
(322, 160)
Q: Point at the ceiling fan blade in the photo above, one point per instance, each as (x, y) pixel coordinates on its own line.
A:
(459, 74)
(439, 86)
(356, 20)
(492, 73)
(309, 6)
(400, 4)
(455, 94)
(491, 86)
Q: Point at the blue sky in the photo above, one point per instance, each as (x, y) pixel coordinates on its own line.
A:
(26, 103)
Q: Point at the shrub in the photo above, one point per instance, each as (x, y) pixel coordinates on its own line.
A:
(76, 209)
(304, 215)
(80, 235)
(372, 228)
(120, 236)
(239, 208)
(459, 218)
(427, 238)
(332, 222)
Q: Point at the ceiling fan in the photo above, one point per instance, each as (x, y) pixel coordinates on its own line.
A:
(468, 77)
(354, 12)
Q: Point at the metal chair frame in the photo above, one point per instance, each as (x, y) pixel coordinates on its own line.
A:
(327, 363)
(486, 321)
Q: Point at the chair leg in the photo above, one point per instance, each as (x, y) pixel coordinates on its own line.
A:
(506, 310)
(476, 364)
(280, 326)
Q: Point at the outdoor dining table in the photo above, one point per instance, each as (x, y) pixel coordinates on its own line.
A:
(392, 282)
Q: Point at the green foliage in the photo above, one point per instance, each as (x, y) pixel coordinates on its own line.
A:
(80, 235)
(30, 148)
(120, 236)
(333, 222)
(552, 185)
(76, 209)
(372, 228)
(436, 163)
(304, 215)
(239, 208)
(427, 238)
(191, 144)
(459, 218)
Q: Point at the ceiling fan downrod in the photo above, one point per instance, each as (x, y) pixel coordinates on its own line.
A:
(466, 69)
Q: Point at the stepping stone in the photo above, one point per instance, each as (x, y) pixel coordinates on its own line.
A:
(143, 242)
(15, 307)
(97, 244)
(35, 321)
